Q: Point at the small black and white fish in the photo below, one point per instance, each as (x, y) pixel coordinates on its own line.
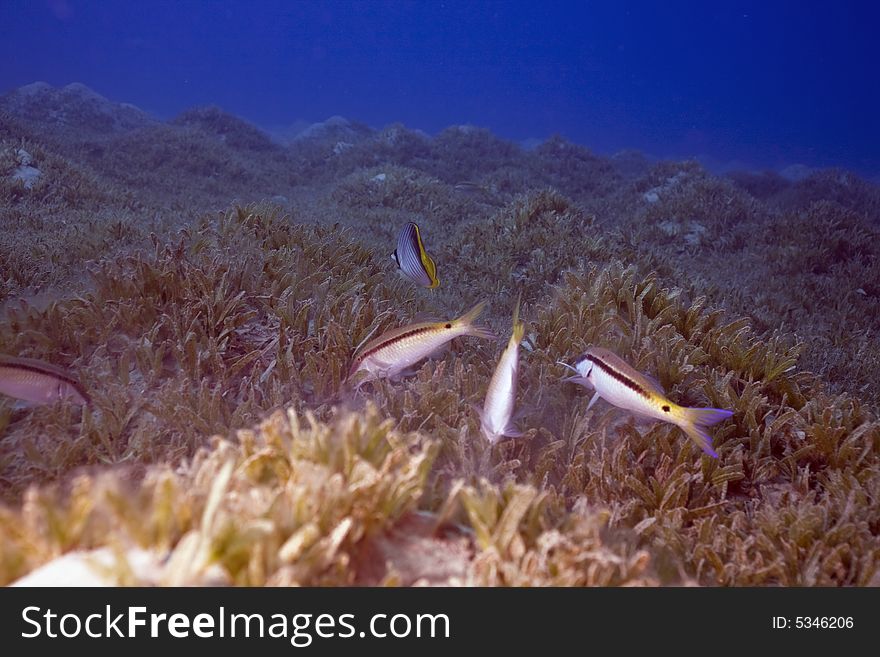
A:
(412, 259)
(623, 386)
(39, 382)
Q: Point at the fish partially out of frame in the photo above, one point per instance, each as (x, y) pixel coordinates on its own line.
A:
(397, 349)
(495, 416)
(412, 259)
(623, 386)
(39, 382)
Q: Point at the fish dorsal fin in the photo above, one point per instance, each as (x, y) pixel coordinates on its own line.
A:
(426, 317)
(615, 361)
(655, 384)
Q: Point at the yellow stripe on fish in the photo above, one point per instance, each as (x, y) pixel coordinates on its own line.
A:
(623, 386)
(497, 410)
(39, 382)
(412, 258)
(397, 349)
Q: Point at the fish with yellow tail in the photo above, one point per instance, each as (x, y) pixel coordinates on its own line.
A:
(495, 416)
(412, 259)
(621, 385)
(39, 382)
(397, 349)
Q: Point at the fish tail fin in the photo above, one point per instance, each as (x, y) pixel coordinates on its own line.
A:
(694, 422)
(519, 328)
(467, 322)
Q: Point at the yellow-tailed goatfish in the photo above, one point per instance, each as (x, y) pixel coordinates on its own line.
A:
(39, 382)
(412, 259)
(621, 385)
(497, 410)
(397, 349)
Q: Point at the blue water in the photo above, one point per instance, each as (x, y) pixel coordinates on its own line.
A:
(757, 84)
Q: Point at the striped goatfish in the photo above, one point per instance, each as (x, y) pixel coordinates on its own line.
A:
(624, 387)
(501, 395)
(470, 187)
(397, 349)
(412, 259)
(39, 382)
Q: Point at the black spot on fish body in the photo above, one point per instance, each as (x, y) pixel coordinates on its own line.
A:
(665, 408)
(449, 326)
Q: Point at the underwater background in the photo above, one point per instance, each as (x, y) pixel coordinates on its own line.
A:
(199, 202)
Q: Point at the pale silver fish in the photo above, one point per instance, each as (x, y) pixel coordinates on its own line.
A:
(497, 410)
(39, 382)
(397, 349)
(623, 386)
(412, 259)
(470, 187)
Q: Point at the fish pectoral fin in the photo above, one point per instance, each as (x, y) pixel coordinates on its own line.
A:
(655, 383)
(593, 401)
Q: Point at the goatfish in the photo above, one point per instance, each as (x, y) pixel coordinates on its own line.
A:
(470, 187)
(497, 409)
(412, 259)
(397, 349)
(621, 385)
(39, 382)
